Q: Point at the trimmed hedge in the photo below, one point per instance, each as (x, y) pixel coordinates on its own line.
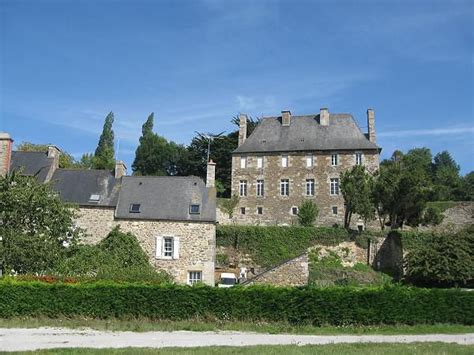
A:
(271, 245)
(319, 306)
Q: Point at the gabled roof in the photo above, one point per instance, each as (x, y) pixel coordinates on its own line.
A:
(305, 133)
(166, 198)
(78, 185)
(32, 163)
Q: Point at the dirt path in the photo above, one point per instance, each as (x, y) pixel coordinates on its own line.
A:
(47, 338)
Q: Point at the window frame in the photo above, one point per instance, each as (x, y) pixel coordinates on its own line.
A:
(259, 162)
(285, 187)
(243, 162)
(285, 158)
(309, 159)
(259, 210)
(171, 250)
(310, 183)
(260, 188)
(131, 208)
(293, 210)
(194, 280)
(334, 210)
(334, 188)
(194, 205)
(359, 155)
(334, 159)
(243, 188)
(243, 211)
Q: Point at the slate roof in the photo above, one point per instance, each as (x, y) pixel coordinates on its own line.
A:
(306, 134)
(77, 186)
(165, 198)
(31, 163)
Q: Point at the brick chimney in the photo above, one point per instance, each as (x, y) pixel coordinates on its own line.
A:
(285, 118)
(5, 153)
(242, 128)
(324, 116)
(120, 169)
(371, 125)
(211, 174)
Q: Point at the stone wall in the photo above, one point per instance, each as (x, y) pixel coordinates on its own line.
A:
(5, 153)
(278, 209)
(294, 272)
(196, 240)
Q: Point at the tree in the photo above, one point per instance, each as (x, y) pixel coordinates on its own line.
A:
(35, 225)
(228, 205)
(467, 187)
(104, 153)
(86, 161)
(307, 213)
(66, 160)
(157, 156)
(446, 179)
(356, 188)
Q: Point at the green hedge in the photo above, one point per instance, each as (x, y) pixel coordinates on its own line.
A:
(318, 306)
(271, 245)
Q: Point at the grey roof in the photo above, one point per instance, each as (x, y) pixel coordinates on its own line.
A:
(77, 186)
(166, 198)
(31, 163)
(306, 134)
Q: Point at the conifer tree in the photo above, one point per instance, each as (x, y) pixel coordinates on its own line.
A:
(104, 154)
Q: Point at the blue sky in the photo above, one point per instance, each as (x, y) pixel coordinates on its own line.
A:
(196, 64)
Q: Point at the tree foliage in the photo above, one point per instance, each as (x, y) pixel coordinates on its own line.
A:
(307, 213)
(35, 225)
(104, 156)
(228, 205)
(66, 160)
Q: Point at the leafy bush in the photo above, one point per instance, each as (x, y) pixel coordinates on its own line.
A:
(308, 211)
(319, 306)
(432, 216)
(441, 259)
(271, 245)
(118, 256)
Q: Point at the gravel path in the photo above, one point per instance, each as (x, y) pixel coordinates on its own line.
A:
(15, 339)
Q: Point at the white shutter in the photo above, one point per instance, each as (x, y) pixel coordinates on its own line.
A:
(176, 248)
(158, 247)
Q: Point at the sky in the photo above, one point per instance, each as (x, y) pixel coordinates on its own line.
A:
(196, 64)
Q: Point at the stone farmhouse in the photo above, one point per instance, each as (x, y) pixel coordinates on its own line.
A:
(173, 217)
(289, 159)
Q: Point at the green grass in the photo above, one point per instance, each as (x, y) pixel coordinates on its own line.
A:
(144, 325)
(383, 349)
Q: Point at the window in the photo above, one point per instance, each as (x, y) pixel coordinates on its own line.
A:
(334, 159)
(309, 187)
(194, 209)
(134, 208)
(94, 198)
(334, 210)
(168, 247)
(260, 188)
(243, 162)
(284, 187)
(259, 162)
(243, 187)
(309, 161)
(294, 210)
(242, 210)
(284, 161)
(194, 277)
(358, 158)
(259, 210)
(335, 186)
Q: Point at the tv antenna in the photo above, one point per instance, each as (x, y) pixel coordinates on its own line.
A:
(209, 137)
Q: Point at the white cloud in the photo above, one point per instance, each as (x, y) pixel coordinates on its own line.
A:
(428, 132)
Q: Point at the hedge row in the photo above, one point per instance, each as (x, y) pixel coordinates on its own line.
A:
(318, 306)
(271, 245)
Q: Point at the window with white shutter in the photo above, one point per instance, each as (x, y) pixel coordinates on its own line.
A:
(158, 246)
(176, 248)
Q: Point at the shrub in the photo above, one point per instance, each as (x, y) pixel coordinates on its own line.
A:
(432, 216)
(268, 246)
(308, 305)
(307, 213)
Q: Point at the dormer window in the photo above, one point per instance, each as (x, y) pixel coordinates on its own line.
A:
(94, 198)
(134, 208)
(194, 209)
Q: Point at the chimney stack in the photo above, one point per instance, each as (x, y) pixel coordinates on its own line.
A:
(324, 116)
(120, 169)
(242, 128)
(371, 125)
(285, 118)
(211, 174)
(5, 153)
(54, 152)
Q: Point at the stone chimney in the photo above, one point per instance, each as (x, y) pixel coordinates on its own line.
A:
(242, 128)
(5, 153)
(54, 153)
(371, 125)
(324, 116)
(120, 169)
(211, 174)
(285, 118)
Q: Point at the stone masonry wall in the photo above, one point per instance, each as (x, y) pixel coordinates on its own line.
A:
(196, 240)
(278, 209)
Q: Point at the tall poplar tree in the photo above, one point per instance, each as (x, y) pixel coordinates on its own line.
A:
(104, 154)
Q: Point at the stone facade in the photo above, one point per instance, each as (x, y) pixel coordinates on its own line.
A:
(5, 153)
(196, 240)
(277, 209)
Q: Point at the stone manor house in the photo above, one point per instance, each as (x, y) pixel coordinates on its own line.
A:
(172, 217)
(289, 159)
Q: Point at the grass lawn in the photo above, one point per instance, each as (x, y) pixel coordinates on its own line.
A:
(144, 325)
(385, 349)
